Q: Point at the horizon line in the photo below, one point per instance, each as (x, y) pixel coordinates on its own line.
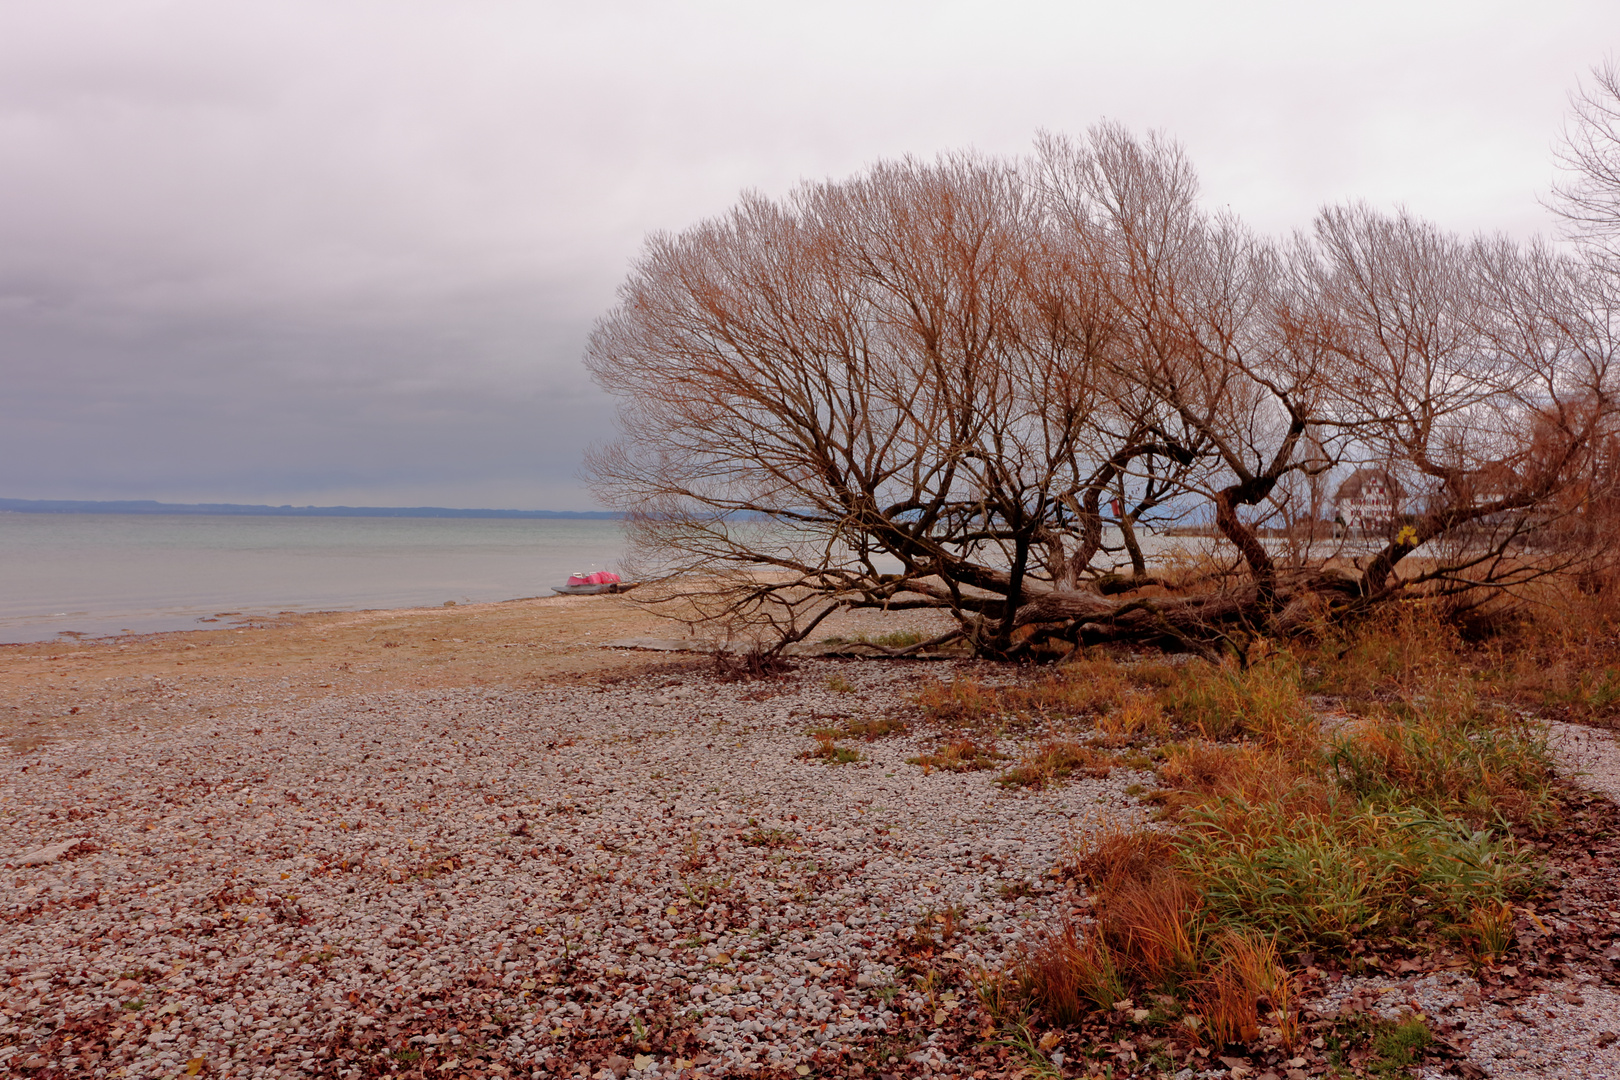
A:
(154, 507)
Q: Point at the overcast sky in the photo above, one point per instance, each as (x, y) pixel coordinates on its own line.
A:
(349, 252)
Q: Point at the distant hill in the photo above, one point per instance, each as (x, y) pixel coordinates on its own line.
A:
(149, 506)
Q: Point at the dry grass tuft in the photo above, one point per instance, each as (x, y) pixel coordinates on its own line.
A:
(1121, 855)
(961, 702)
(1245, 975)
(873, 728)
(1488, 933)
(1066, 977)
(1152, 939)
(1136, 714)
(1264, 701)
(1083, 689)
(1054, 760)
(1201, 774)
(828, 750)
(1444, 752)
(961, 755)
(1152, 926)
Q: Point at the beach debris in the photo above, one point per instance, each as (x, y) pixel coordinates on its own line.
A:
(50, 852)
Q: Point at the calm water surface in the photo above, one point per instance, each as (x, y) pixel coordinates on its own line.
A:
(110, 573)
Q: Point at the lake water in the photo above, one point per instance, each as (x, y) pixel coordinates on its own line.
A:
(101, 574)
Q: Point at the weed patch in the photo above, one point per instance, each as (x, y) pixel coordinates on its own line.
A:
(960, 755)
(874, 727)
(1264, 702)
(1323, 881)
(1443, 753)
(827, 749)
(1056, 760)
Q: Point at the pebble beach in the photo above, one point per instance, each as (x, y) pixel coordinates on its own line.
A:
(443, 844)
(286, 891)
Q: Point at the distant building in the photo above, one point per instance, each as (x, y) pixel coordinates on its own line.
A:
(1367, 503)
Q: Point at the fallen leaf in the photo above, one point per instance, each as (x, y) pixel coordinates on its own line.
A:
(803, 1070)
(194, 1066)
(1049, 1040)
(643, 1061)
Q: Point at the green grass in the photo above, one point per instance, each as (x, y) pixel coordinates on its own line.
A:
(1399, 1046)
(1322, 881)
(1445, 753)
(826, 749)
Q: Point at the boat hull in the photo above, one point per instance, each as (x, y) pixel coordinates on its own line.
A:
(593, 590)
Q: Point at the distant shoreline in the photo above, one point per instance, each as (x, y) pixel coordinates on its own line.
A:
(151, 507)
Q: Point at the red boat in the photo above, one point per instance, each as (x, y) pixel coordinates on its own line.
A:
(591, 584)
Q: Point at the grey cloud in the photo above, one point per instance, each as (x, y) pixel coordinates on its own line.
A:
(302, 251)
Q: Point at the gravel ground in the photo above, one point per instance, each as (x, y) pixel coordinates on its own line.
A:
(635, 878)
(1566, 1028)
(1589, 756)
(1514, 1024)
(503, 881)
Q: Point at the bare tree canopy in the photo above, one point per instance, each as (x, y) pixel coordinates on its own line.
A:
(1017, 391)
(1589, 199)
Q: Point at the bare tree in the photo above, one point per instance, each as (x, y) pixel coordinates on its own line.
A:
(973, 386)
(1589, 200)
(1482, 373)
